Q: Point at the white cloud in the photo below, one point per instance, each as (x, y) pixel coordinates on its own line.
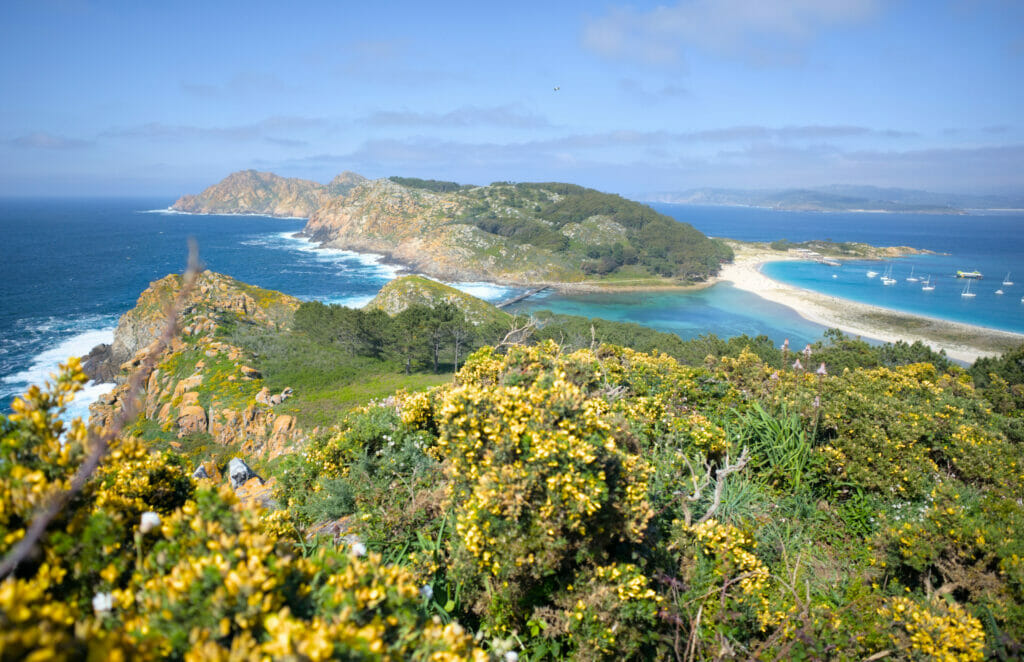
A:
(506, 116)
(755, 30)
(44, 140)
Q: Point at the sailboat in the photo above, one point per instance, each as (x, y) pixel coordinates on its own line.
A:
(999, 291)
(1006, 281)
(912, 278)
(967, 290)
(928, 287)
(872, 274)
(887, 278)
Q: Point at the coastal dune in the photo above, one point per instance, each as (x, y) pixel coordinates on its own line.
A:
(962, 342)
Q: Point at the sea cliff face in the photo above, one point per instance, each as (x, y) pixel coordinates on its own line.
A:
(252, 192)
(202, 398)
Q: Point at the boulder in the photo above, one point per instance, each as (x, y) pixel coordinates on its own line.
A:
(200, 473)
(99, 364)
(239, 473)
(275, 399)
(191, 418)
(263, 397)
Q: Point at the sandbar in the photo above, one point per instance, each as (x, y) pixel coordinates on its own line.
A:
(961, 342)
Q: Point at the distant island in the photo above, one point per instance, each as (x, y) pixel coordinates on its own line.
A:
(839, 199)
(516, 233)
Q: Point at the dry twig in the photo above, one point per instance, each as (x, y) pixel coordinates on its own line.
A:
(98, 442)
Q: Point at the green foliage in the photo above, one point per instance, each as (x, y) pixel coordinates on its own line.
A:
(780, 449)
(536, 214)
(574, 501)
(434, 185)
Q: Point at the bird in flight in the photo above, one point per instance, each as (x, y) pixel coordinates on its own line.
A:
(557, 87)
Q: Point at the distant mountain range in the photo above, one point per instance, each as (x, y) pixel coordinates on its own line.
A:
(840, 198)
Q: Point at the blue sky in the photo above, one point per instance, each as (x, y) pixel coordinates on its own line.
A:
(147, 98)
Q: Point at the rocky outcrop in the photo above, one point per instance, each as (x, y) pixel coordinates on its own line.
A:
(239, 473)
(406, 291)
(203, 387)
(252, 192)
(214, 299)
(100, 365)
(418, 228)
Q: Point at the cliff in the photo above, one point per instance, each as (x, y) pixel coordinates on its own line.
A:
(203, 399)
(252, 192)
(512, 233)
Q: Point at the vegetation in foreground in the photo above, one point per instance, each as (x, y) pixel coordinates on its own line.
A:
(575, 501)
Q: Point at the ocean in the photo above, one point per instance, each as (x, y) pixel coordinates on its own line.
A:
(990, 242)
(73, 266)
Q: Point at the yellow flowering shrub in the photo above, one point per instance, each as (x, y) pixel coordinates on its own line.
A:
(611, 613)
(934, 630)
(197, 576)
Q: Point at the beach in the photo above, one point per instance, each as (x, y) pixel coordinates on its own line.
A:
(962, 342)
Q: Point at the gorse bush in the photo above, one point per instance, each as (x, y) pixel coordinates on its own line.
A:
(590, 504)
(213, 580)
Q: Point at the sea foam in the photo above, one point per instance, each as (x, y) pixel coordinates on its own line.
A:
(486, 291)
(45, 364)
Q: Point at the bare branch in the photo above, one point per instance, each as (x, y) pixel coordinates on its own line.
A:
(720, 477)
(100, 443)
(518, 335)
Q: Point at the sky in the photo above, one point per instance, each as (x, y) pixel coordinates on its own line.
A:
(166, 98)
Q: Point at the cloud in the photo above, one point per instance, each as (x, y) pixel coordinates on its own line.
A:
(286, 142)
(44, 140)
(646, 161)
(764, 33)
(505, 116)
(636, 90)
(239, 133)
(246, 84)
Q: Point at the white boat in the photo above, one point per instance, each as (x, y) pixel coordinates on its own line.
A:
(912, 278)
(967, 290)
(999, 291)
(928, 287)
(872, 274)
(1006, 281)
(835, 276)
(887, 278)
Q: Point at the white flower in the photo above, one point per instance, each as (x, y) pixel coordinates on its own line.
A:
(511, 656)
(821, 370)
(358, 549)
(102, 603)
(148, 522)
(427, 591)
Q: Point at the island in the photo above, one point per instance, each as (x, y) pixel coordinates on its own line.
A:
(572, 239)
(525, 234)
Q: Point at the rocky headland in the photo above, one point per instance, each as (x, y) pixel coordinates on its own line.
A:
(524, 234)
(203, 398)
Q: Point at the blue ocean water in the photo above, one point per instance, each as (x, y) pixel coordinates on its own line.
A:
(991, 242)
(72, 267)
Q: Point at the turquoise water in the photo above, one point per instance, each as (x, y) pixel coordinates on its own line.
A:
(721, 309)
(990, 242)
(72, 267)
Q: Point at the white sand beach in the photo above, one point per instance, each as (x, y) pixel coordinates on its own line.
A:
(962, 342)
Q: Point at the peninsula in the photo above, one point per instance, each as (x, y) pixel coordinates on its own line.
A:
(523, 234)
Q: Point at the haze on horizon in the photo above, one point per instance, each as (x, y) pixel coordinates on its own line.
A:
(107, 98)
